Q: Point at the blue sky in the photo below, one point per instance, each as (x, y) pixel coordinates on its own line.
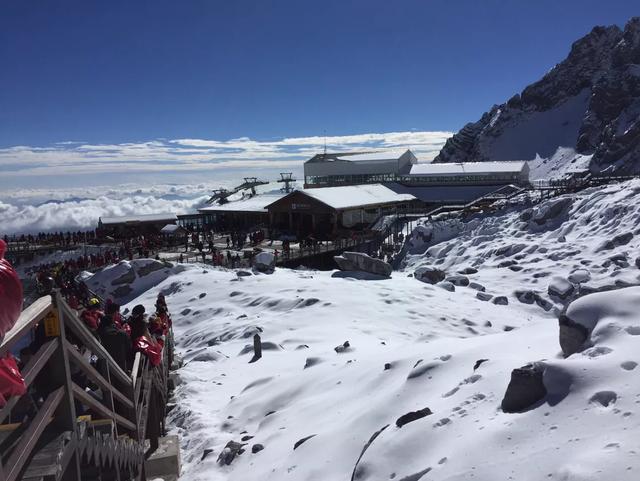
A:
(102, 87)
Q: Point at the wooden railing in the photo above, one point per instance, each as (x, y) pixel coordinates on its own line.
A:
(56, 442)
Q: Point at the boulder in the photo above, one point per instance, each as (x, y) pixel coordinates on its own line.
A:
(560, 287)
(458, 280)
(358, 261)
(551, 210)
(152, 266)
(256, 448)
(264, 262)
(580, 276)
(483, 296)
(500, 301)
(412, 416)
(345, 264)
(430, 275)
(526, 297)
(572, 335)
(446, 285)
(126, 278)
(525, 388)
(476, 286)
(229, 453)
(243, 273)
(468, 270)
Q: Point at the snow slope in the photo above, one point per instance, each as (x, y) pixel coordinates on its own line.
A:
(126, 280)
(413, 346)
(522, 249)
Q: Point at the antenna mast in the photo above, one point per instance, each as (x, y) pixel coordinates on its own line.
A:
(325, 142)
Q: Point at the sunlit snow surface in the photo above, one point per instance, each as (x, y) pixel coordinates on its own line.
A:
(432, 338)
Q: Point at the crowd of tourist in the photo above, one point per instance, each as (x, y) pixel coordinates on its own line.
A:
(53, 238)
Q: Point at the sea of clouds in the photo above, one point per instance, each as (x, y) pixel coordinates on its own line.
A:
(41, 210)
(70, 185)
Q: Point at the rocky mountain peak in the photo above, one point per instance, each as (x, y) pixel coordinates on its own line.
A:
(589, 104)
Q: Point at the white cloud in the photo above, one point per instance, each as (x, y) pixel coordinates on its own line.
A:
(200, 154)
(43, 210)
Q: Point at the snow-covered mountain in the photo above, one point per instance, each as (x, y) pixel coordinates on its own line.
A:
(585, 111)
(427, 386)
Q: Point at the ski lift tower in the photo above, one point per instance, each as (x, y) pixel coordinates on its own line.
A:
(286, 178)
(219, 195)
(251, 183)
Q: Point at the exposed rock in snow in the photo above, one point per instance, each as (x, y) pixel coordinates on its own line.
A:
(358, 261)
(560, 287)
(458, 280)
(229, 453)
(525, 388)
(128, 279)
(483, 296)
(264, 262)
(500, 301)
(256, 448)
(430, 275)
(572, 335)
(412, 416)
(446, 285)
(580, 276)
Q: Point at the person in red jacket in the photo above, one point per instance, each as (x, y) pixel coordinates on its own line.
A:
(10, 294)
(91, 315)
(11, 381)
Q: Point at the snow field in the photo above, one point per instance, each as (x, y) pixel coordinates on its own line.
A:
(413, 346)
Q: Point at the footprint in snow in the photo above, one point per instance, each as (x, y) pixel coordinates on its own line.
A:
(604, 398)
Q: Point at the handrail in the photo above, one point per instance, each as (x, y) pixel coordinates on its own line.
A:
(27, 320)
(89, 340)
(135, 403)
(31, 370)
(82, 396)
(95, 376)
(28, 440)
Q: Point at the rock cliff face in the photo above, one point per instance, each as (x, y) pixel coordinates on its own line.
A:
(587, 105)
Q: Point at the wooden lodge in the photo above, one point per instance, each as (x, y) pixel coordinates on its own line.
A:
(329, 212)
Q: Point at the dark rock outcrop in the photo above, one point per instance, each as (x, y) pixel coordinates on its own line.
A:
(430, 275)
(229, 453)
(256, 448)
(300, 441)
(573, 336)
(412, 416)
(358, 261)
(525, 389)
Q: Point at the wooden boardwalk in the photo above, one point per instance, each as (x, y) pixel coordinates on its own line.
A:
(56, 443)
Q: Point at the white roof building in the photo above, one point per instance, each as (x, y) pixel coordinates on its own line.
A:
(357, 167)
(354, 196)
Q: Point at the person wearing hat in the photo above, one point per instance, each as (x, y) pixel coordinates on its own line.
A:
(138, 322)
(115, 341)
(91, 315)
(142, 339)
